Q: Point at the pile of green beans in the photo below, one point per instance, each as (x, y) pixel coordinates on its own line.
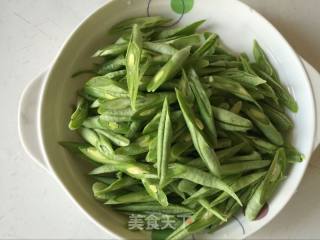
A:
(174, 123)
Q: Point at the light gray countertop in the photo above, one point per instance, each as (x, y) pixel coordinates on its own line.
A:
(32, 204)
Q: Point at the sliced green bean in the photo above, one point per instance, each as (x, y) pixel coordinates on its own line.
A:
(79, 115)
(162, 48)
(264, 124)
(231, 118)
(181, 31)
(164, 143)
(234, 168)
(200, 177)
(152, 187)
(106, 168)
(227, 153)
(170, 69)
(206, 152)
(111, 50)
(278, 118)
(249, 157)
(132, 64)
(112, 65)
(153, 206)
(243, 77)
(184, 41)
(203, 105)
(117, 139)
(143, 22)
(103, 87)
(133, 197)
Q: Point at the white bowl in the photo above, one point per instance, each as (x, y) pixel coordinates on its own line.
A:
(237, 25)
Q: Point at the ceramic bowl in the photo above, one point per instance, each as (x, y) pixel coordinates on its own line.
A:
(237, 24)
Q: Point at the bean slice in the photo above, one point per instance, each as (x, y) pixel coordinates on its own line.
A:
(205, 151)
(169, 70)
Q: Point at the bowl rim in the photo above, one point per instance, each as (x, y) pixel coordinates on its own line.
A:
(74, 32)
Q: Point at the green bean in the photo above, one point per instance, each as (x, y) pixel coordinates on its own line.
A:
(245, 64)
(227, 153)
(135, 126)
(293, 155)
(170, 69)
(278, 118)
(104, 158)
(267, 186)
(182, 42)
(106, 168)
(200, 177)
(117, 139)
(112, 65)
(231, 118)
(231, 128)
(162, 48)
(206, 191)
(233, 65)
(249, 157)
(153, 206)
(132, 64)
(79, 115)
(181, 31)
(116, 74)
(136, 170)
(120, 183)
(264, 124)
(223, 143)
(186, 186)
(160, 59)
(256, 93)
(263, 61)
(97, 186)
(205, 47)
(183, 144)
(154, 122)
(139, 146)
(96, 140)
(111, 50)
(74, 147)
(234, 168)
(203, 105)
(244, 78)
(155, 192)
(116, 127)
(214, 211)
(105, 180)
(143, 22)
(238, 185)
(164, 143)
(210, 71)
(152, 154)
(206, 153)
(185, 88)
(102, 87)
(262, 145)
(221, 57)
(282, 92)
(236, 108)
(118, 115)
(133, 197)
(268, 91)
(232, 87)
(93, 122)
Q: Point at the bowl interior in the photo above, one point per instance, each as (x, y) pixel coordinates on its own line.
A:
(237, 26)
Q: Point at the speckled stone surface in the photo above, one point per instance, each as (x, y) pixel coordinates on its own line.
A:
(32, 203)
